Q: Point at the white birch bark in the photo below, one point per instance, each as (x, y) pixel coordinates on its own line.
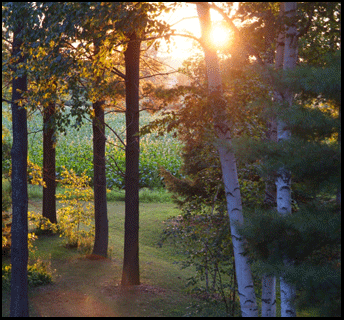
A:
(228, 164)
(283, 182)
(269, 282)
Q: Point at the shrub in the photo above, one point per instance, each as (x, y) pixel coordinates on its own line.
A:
(75, 218)
(38, 274)
(6, 233)
(42, 225)
(6, 194)
(202, 235)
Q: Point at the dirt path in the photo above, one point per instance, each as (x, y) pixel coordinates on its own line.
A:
(88, 289)
(51, 302)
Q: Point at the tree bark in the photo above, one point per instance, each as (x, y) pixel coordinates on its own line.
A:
(228, 164)
(131, 272)
(101, 239)
(283, 182)
(99, 180)
(19, 248)
(269, 282)
(49, 154)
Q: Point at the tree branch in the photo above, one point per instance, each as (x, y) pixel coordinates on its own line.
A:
(118, 73)
(159, 74)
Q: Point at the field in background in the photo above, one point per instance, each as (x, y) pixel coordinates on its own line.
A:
(74, 150)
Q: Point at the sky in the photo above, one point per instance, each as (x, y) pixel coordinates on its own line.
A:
(188, 22)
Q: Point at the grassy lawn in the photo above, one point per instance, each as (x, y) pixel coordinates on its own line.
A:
(85, 287)
(94, 287)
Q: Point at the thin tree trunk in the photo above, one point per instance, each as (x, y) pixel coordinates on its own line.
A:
(283, 182)
(49, 201)
(269, 282)
(99, 180)
(131, 271)
(228, 164)
(269, 296)
(101, 238)
(19, 247)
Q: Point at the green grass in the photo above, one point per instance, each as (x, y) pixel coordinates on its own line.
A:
(147, 195)
(157, 271)
(163, 290)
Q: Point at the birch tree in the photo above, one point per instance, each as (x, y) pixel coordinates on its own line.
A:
(269, 281)
(283, 181)
(228, 165)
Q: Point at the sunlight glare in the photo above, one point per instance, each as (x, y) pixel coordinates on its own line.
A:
(220, 36)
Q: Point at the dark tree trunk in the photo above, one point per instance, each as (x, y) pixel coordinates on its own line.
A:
(99, 180)
(49, 201)
(131, 272)
(19, 247)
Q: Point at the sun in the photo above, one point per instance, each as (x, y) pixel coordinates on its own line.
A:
(221, 36)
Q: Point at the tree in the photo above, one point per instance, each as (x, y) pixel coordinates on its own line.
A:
(283, 181)
(19, 229)
(228, 165)
(269, 281)
(49, 167)
(99, 179)
(306, 238)
(141, 26)
(131, 274)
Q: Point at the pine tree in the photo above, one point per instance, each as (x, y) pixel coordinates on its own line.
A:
(310, 236)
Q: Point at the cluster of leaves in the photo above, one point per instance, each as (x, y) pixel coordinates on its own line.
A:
(34, 174)
(6, 151)
(41, 224)
(193, 125)
(39, 274)
(75, 218)
(6, 194)
(311, 239)
(6, 233)
(202, 236)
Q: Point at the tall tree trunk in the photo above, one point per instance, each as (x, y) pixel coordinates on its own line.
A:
(269, 282)
(99, 178)
(283, 182)
(131, 272)
(19, 248)
(49, 200)
(228, 164)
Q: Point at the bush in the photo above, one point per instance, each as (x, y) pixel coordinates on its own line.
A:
(6, 233)
(6, 194)
(42, 225)
(75, 218)
(202, 234)
(38, 274)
